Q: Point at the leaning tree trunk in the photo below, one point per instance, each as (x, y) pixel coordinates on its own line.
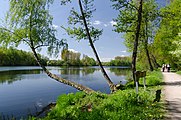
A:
(111, 84)
(155, 61)
(134, 55)
(51, 75)
(148, 57)
(59, 79)
(146, 47)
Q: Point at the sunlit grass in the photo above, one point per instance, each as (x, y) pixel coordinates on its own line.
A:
(122, 105)
(178, 72)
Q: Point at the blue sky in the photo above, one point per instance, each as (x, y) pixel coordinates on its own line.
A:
(110, 44)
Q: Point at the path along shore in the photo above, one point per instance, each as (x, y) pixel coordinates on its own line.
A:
(172, 94)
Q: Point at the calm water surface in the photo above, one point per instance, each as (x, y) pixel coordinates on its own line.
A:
(26, 90)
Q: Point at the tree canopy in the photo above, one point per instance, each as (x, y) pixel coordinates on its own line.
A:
(167, 40)
(29, 22)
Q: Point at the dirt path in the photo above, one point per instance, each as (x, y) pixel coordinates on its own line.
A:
(172, 92)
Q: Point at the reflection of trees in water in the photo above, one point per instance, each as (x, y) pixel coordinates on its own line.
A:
(70, 71)
(87, 71)
(77, 71)
(15, 75)
(120, 71)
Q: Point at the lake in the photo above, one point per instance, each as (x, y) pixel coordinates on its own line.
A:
(26, 90)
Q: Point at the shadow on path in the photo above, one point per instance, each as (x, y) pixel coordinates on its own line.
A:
(172, 88)
(174, 110)
(171, 83)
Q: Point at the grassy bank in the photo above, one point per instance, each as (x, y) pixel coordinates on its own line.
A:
(122, 105)
(178, 72)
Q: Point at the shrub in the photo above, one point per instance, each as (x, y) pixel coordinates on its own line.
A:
(124, 105)
(179, 72)
(154, 78)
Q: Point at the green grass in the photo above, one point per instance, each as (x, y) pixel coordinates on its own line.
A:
(153, 78)
(122, 105)
(178, 72)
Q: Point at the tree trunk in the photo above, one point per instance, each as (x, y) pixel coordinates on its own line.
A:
(53, 76)
(155, 61)
(146, 46)
(59, 79)
(149, 60)
(134, 55)
(111, 84)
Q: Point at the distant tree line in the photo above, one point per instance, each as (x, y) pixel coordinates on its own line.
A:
(13, 57)
(119, 61)
(70, 58)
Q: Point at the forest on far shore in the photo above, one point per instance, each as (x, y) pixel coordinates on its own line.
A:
(14, 57)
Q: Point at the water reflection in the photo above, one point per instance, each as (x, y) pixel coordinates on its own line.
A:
(15, 75)
(69, 71)
(78, 71)
(120, 72)
(35, 88)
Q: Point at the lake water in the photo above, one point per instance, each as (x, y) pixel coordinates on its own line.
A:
(26, 90)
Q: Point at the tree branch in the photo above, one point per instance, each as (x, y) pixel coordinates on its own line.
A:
(41, 46)
(16, 35)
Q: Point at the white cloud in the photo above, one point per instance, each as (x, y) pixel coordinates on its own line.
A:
(113, 23)
(123, 51)
(106, 59)
(55, 26)
(73, 50)
(105, 25)
(97, 22)
(123, 55)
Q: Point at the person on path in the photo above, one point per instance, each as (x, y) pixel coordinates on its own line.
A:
(168, 68)
(163, 67)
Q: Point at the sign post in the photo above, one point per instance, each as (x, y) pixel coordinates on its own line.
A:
(140, 74)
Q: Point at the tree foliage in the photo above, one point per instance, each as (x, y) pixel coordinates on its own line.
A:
(70, 57)
(88, 61)
(14, 57)
(31, 23)
(126, 8)
(167, 40)
(31, 20)
(120, 61)
(127, 22)
(75, 20)
(81, 28)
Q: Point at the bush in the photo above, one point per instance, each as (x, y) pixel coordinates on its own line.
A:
(179, 72)
(154, 78)
(123, 105)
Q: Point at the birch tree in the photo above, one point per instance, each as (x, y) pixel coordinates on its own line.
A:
(29, 22)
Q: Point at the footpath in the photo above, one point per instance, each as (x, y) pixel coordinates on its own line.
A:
(172, 94)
